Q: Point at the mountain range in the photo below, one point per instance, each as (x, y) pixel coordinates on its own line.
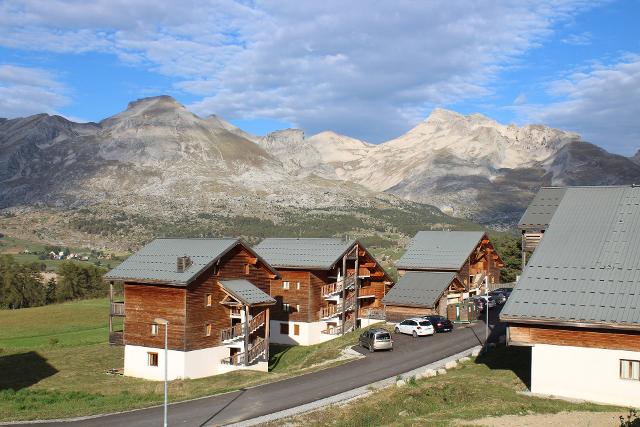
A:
(157, 158)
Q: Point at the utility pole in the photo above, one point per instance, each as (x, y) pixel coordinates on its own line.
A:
(165, 322)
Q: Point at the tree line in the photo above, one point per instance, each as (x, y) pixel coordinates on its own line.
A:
(23, 285)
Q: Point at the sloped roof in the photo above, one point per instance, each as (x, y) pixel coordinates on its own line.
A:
(320, 253)
(586, 270)
(419, 288)
(439, 250)
(542, 208)
(156, 262)
(246, 292)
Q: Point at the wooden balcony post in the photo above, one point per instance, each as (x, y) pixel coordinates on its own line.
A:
(266, 334)
(356, 285)
(246, 335)
(344, 289)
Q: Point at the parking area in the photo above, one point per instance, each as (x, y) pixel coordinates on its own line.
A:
(410, 346)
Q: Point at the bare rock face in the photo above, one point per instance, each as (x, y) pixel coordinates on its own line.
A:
(636, 158)
(157, 155)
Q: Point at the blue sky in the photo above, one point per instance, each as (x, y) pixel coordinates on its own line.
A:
(367, 70)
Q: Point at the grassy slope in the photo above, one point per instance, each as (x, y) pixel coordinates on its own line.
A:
(488, 387)
(42, 378)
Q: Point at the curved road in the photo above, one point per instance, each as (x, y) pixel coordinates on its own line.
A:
(409, 353)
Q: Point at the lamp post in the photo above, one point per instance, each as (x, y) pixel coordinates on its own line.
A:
(165, 322)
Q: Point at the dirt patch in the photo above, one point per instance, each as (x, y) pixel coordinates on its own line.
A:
(564, 419)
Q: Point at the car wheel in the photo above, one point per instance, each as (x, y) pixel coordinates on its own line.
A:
(415, 334)
(396, 330)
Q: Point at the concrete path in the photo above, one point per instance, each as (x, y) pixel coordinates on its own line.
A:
(409, 354)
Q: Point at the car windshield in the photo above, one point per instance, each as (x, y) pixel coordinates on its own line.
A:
(425, 323)
(383, 336)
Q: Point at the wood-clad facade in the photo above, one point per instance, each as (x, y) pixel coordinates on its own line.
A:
(528, 335)
(205, 318)
(481, 269)
(313, 304)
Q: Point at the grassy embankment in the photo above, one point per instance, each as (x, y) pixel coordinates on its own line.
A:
(489, 386)
(54, 359)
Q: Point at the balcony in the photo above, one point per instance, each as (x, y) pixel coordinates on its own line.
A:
(117, 308)
(116, 338)
(236, 331)
(257, 352)
(333, 310)
(336, 287)
(236, 313)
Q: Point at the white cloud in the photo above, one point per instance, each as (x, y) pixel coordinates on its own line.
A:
(581, 39)
(25, 91)
(601, 103)
(368, 70)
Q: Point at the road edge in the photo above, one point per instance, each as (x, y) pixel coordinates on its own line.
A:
(349, 395)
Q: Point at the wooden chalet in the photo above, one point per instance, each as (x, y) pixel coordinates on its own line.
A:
(327, 287)
(535, 220)
(577, 302)
(441, 268)
(215, 295)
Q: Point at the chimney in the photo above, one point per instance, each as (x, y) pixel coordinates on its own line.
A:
(183, 263)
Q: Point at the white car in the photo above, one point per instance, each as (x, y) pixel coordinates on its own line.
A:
(415, 326)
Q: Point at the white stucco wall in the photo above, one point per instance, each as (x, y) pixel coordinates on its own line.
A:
(583, 373)
(364, 322)
(182, 364)
(310, 333)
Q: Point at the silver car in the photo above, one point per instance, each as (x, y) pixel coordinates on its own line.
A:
(376, 339)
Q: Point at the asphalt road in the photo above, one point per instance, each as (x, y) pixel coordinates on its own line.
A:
(409, 353)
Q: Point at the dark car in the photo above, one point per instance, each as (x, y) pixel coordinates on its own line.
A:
(499, 297)
(504, 291)
(440, 323)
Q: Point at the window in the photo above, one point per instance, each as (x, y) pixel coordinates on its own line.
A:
(247, 269)
(285, 285)
(284, 329)
(208, 300)
(298, 285)
(152, 359)
(298, 307)
(154, 329)
(207, 329)
(296, 329)
(286, 307)
(630, 369)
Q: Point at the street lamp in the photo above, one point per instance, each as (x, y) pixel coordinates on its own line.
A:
(165, 322)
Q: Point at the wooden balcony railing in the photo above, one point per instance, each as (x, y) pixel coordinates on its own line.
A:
(257, 350)
(117, 308)
(116, 338)
(349, 324)
(257, 321)
(335, 309)
(335, 287)
(236, 312)
(237, 331)
(232, 333)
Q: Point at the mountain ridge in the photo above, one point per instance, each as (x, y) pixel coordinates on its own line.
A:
(468, 166)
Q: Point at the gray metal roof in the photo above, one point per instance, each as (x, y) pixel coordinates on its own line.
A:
(586, 270)
(246, 292)
(156, 262)
(542, 208)
(321, 253)
(445, 250)
(419, 288)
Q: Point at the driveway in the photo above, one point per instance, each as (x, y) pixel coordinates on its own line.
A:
(409, 353)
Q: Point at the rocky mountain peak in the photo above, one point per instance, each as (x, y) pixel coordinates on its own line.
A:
(636, 158)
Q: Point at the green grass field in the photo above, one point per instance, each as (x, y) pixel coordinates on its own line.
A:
(16, 248)
(488, 386)
(54, 360)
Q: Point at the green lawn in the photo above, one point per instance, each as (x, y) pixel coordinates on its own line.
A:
(54, 360)
(488, 386)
